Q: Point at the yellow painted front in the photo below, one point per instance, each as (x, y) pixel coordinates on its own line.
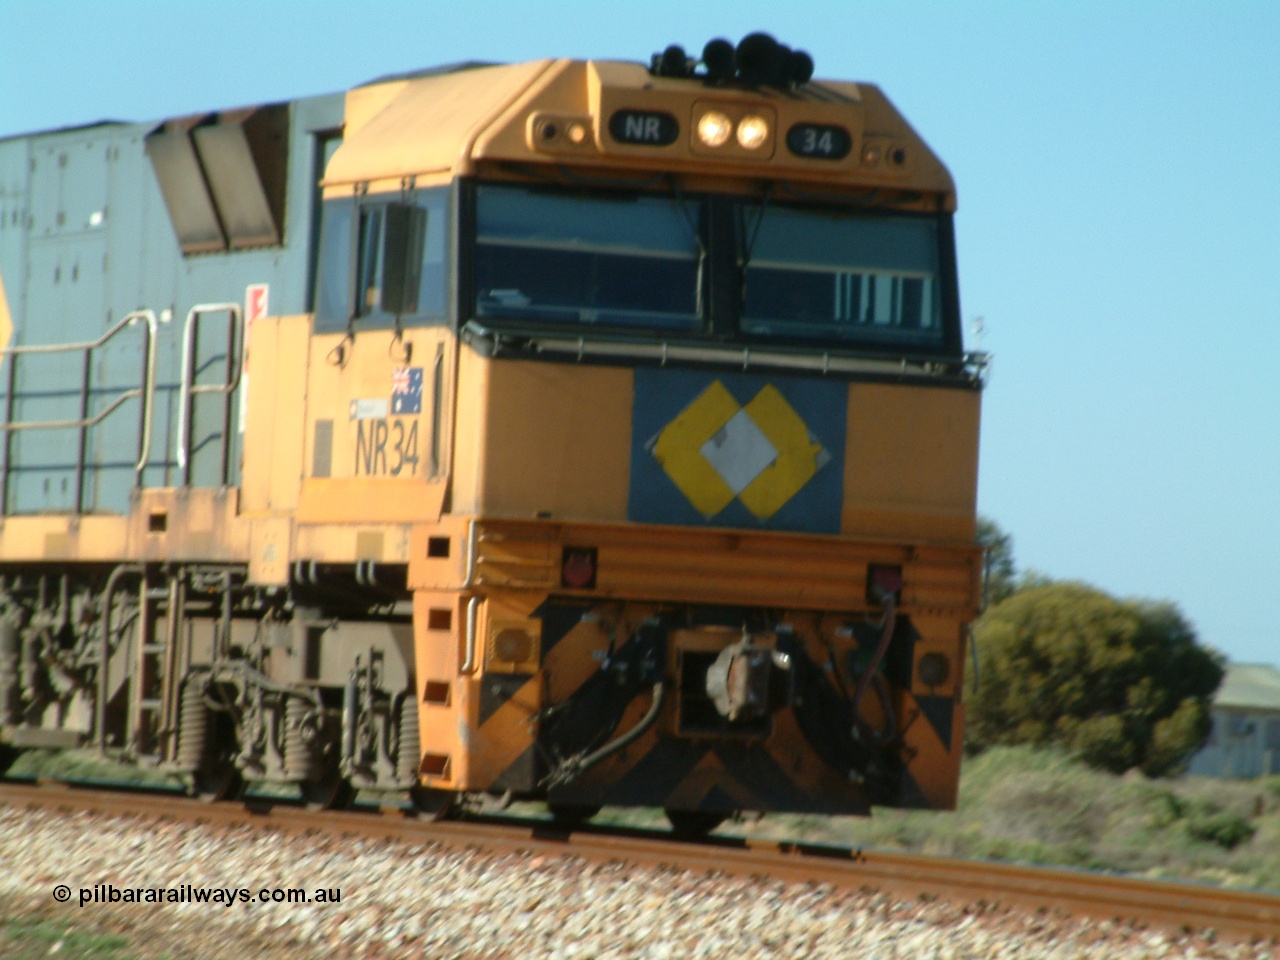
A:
(911, 462)
(464, 747)
(542, 440)
(459, 122)
(443, 695)
(553, 441)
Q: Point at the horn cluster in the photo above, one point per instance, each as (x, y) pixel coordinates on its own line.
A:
(757, 61)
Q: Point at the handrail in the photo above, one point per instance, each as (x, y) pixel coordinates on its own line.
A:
(125, 321)
(81, 422)
(469, 662)
(144, 392)
(188, 388)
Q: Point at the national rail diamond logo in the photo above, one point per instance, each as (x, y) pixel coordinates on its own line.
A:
(716, 449)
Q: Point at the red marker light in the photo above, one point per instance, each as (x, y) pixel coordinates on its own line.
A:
(883, 580)
(578, 568)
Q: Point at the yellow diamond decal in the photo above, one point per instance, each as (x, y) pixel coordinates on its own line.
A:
(799, 456)
(716, 449)
(677, 449)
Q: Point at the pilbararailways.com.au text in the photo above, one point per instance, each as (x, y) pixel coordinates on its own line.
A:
(105, 893)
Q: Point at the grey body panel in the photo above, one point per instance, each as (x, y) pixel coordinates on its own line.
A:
(86, 238)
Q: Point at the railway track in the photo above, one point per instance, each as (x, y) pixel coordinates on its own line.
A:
(1236, 915)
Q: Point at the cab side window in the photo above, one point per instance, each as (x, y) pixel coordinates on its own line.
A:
(383, 262)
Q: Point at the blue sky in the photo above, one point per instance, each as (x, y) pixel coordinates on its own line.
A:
(1118, 167)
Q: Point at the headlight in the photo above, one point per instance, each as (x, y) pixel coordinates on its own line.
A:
(753, 131)
(714, 128)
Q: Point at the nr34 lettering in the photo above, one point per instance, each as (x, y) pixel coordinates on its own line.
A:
(387, 447)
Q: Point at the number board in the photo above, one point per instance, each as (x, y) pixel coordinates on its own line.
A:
(387, 447)
(819, 141)
(646, 128)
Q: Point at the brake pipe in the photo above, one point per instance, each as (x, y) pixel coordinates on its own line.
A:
(886, 635)
(575, 767)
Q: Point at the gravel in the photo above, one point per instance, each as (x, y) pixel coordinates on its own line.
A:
(407, 901)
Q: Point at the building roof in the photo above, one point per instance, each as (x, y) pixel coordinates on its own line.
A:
(1249, 686)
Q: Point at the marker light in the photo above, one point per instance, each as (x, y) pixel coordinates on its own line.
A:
(753, 131)
(714, 128)
(933, 669)
(578, 567)
(516, 646)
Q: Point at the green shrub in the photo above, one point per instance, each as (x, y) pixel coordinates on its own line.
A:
(1121, 684)
(1227, 830)
(1165, 809)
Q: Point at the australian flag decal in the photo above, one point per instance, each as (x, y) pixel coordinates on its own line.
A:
(406, 391)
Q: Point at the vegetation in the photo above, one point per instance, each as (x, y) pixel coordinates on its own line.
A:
(1121, 684)
(1043, 806)
(85, 765)
(33, 938)
(999, 573)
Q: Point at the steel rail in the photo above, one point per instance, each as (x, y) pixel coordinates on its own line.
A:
(1231, 914)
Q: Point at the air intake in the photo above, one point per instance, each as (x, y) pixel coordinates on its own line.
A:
(223, 177)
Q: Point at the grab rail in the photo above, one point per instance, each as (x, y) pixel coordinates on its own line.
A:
(145, 392)
(188, 388)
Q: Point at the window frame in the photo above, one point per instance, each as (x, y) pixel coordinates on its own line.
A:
(723, 280)
(695, 329)
(946, 282)
(346, 266)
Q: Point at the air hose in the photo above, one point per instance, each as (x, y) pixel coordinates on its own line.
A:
(871, 672)
(575, 766)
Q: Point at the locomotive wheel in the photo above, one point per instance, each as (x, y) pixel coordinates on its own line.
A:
(692, 824)
(331, 792)
(218, 780)
(8, 754)
(572, 815)
(431, 804)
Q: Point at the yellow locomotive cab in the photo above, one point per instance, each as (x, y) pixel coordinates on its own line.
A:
(623, 451)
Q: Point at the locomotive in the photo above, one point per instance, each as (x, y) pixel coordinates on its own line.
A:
(590, 432)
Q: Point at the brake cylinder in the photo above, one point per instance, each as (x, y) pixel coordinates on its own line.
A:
(29, 660)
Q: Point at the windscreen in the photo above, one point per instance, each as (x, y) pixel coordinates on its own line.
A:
(841, 277)
(627, 261)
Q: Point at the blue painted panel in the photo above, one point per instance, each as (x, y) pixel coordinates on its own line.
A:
(737, 450)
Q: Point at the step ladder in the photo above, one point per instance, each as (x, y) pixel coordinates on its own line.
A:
(153, 700)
